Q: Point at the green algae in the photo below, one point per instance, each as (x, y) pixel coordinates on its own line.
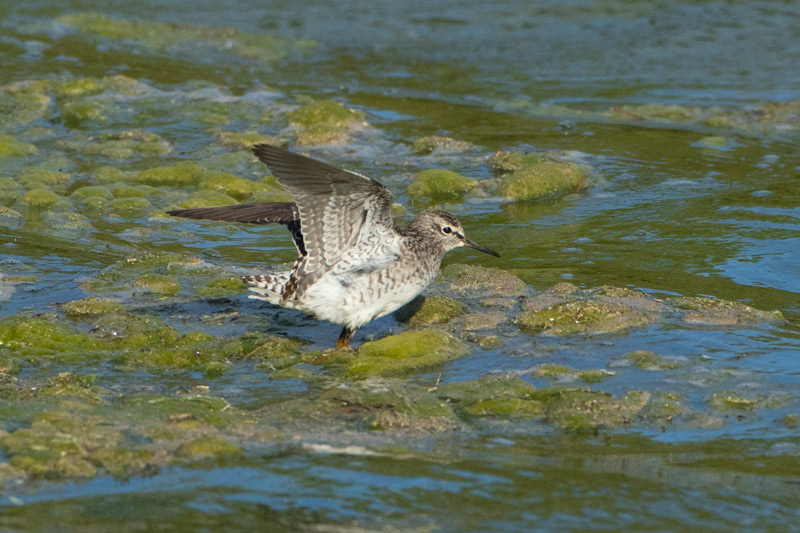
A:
(731, 400)
(130, 205)
(71, 384)
(92, 191)
(9, 366)
(439, 184)
(36, 178)
(82, 113)
(666, 406)
(108, 174)
(11, 147)
(119, 146)
(552, 371)
(401, 354)
(231, 185)
(585, 409)
(650, 361)
(180, 175)
(165, 36)
(433, 310)
(502, 162)
(123, 190)
(716, 312)
(545, 179)
(498, 397)
(43, 336)
(10, 190)
(475, 277)
(324, 122)
(244, 140)
(91, 306)
(211, 446)
(433, 143)
(594, 375)
(10, 216)
(565, 310)
(221, 288)
(158, 284)
(207, 198)
(21, 106)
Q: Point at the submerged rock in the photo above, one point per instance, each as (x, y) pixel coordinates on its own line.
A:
(431, 310)
(567, 310)
(405, 353)
(439, 184)
(535, 180)
(324, 122)
(435, 143)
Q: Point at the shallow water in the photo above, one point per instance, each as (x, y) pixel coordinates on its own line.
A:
(692, 196)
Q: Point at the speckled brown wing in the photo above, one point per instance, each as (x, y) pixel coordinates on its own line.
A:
(337, 207)
(285, 213)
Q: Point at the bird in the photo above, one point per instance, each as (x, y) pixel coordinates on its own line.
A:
(354, 263)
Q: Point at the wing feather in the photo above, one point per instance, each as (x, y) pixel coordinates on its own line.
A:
(336, 207)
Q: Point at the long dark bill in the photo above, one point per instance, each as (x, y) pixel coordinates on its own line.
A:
(473, 244)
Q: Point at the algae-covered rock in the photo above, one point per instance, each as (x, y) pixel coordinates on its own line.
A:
(715, 312)
(207, 198)
(22, 103)
(474, 277)
(40, 199)
(434, 143)
(552, 371)
(404, 353)
(650, 360)
(120, 145)
(92, 191)
(502, 162)
(130, 206)
(732, 400)
(585, 409)
(498, 397)
(545, 179)
(77, 113)
(38, 178)
(324, 122)
(433, 310)
(245, 140)
(166, 36)
(566, 310)
(44, 336)
(91, 306)
(222, 288)
(10, 190)
(11, 147)
(158, 284)
(180, 175)
(439, 184)
(10, 217)
(231, 185)
(214, 447)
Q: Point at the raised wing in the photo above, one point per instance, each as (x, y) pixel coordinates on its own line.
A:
(285, 213)
(337, 207)
(265, 213)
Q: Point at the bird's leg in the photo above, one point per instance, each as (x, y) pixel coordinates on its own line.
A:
(344, 339)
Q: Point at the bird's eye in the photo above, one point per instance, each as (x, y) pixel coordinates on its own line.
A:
(446, 230)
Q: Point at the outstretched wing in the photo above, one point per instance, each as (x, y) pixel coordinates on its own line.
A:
(285, 213)
(265, 213)
(337, 207)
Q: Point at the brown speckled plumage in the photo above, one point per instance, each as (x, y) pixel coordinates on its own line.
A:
(355, 264)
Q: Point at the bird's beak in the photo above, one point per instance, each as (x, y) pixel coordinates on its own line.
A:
(473, 244)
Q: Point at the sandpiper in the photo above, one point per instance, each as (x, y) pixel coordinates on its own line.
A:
(354, 264)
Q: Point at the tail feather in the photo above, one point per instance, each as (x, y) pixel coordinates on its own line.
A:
(268, 287)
